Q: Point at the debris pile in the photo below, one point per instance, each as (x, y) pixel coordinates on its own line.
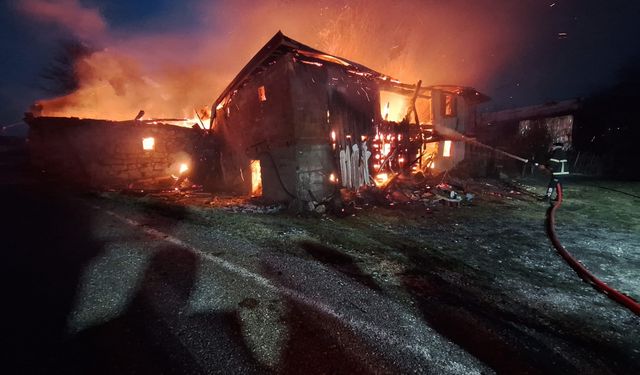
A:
(413, 190)
(428, 191)
(432, 191)
(416, 191)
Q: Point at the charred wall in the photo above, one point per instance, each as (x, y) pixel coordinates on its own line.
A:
(311, 122)
(110, 154)
(284, 116)
(462, 121)
(256, 123)
(328, 99)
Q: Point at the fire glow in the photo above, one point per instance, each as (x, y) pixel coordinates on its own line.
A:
(382, 179)
(183, 168)
(256, 178)
(130, 74)
(393, 106)
(148, 143)
(446, 149)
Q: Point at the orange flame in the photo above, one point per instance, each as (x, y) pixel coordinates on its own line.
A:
(256, 178)
(381, 179)
(394, 106)
(183, 168)
(168, 73)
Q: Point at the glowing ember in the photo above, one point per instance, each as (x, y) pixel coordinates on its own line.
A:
(381, 179)
(262, 94)
(183, 168)
(310, 63)
(322, 56)
(449, 105)
(256, 178)
(148, 144)
(386, 149)
(332, 178)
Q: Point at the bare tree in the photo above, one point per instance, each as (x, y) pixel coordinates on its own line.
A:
(59, 77)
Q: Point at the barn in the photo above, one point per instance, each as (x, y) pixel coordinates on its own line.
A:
(300, 124)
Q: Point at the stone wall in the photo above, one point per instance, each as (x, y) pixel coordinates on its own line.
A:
(109, 154)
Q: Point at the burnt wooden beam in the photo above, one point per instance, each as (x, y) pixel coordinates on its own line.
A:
(412, 108)
(400, 89)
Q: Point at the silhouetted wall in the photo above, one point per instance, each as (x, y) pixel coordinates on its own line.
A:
(104, 153)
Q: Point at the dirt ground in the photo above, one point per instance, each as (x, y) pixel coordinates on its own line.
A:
(483, 274)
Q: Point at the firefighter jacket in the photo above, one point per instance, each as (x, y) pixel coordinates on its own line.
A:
(558, 162)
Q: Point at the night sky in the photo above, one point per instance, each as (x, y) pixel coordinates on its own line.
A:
(557, 50)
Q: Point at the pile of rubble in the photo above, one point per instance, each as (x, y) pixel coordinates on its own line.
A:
(413, 190)
(418, 190)
(430, 194)
(401, 191)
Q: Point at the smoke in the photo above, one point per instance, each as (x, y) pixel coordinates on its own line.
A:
(85, 23)
(171, 73)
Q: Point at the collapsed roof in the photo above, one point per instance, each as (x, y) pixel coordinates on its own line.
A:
(280, 44)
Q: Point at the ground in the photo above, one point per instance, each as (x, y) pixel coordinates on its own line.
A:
(105, 282)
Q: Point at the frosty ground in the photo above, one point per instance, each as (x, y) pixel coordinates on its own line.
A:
(483, 276)
(114, 283)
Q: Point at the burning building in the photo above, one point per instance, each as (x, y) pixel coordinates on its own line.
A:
(298, 123)
(295, 124)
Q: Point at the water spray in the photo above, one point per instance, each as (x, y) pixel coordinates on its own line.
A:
(456, 136)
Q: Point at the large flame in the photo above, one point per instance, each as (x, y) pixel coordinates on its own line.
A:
(393, 106)
(170, 73)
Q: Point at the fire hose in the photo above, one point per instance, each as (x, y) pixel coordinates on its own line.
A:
(581, 270)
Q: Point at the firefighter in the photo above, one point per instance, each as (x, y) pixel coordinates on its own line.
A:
(557, 165)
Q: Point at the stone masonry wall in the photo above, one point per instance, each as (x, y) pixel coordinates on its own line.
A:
(109, 154)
